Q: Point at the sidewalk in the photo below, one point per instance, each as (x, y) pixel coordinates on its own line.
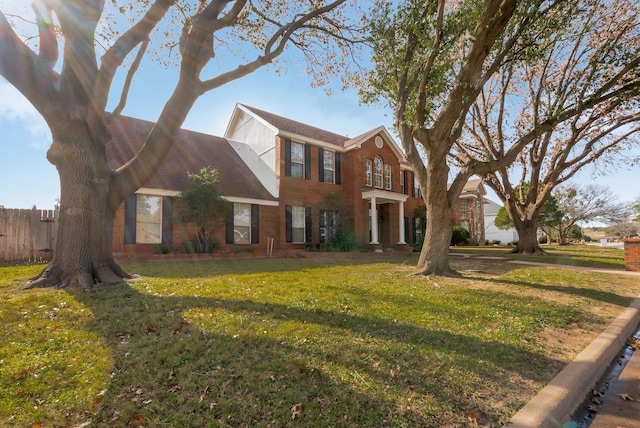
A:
(562, 397)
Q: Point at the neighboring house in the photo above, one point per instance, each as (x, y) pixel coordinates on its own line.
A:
(491, 232)
(469, 211)
(291, 185)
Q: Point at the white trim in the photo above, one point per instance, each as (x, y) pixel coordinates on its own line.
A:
(381, 130)
(157, 192)
(240, 200)
(384, 195)
(297, 138)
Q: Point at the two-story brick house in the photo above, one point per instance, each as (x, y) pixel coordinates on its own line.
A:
(291, 186)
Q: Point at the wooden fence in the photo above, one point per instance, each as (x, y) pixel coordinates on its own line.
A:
(27, 235)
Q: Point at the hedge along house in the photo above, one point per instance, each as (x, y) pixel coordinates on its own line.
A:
(291, 186)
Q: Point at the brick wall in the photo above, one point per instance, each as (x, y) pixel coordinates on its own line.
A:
(632, 254)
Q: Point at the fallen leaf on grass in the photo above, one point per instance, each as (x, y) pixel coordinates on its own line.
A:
(626, 397)
(204, 394)
(296, 411)
(37, 424)
(137, 421)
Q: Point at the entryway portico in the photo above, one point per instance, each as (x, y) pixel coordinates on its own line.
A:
(379, 197)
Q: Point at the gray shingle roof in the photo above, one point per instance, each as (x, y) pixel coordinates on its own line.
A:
(299, 128)
(191, 152)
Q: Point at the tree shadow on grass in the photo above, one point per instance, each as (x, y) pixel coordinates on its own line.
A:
(202, 361)
(588, 293)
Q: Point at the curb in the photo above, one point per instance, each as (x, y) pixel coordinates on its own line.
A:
(558, 401)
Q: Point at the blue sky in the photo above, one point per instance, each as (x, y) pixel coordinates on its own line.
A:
(27, 178)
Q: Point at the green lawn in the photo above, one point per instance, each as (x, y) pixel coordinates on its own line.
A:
(353, 341)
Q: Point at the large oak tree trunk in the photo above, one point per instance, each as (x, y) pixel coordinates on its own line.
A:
(527, 238)
(434, 257)
(83, 252)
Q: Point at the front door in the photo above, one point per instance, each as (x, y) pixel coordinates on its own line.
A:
(384, 224)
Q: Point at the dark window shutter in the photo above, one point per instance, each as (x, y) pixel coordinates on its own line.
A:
(229, 225)
(288, 220)
(255, 226)
(307, 225)
(406, 230)
(130, 208)
(320, 164)
(167, 220)
(307, 162)
(337, 166)
(287, 158)
(413, 230)
(404, 178)
(322, 224)
(410, 184)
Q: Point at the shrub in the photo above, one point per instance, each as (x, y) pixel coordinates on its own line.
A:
(542, 239)
(343, 241)
(496, 242)
(162, 249)
(460, 236)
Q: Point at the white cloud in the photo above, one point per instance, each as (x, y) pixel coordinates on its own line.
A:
(15, 108)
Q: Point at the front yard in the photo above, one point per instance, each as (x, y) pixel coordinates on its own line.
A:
(352, 341)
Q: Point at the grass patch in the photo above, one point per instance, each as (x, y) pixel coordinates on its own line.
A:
(313, 342)
(572, 255)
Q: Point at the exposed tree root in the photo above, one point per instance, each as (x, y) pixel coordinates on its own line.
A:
(529, 252)
(449, 273)
(104, 273)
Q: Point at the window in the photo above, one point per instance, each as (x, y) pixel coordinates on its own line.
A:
(297, 224)
(327, 166)
(377, 173)
(241, 223)
(297, 160)
(330, 224)
(464, 209)
(369, 172)
(387, 176)
(403, 182)
(149, 219)
(416, 188)
(418, 230)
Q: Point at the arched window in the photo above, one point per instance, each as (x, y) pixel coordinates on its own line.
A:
(377, 172)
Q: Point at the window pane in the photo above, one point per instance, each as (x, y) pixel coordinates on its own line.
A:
(149, 219)
(387, 177)
(297, 152)
(241, 223)
(369, 172)
(297, 224)
(297, 160)
(377, 173)
(329, 166)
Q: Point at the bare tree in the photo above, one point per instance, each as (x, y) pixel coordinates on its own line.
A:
(575, 105)
(72, 92)
(588, 203)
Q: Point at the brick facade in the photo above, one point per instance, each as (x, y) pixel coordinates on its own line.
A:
(260, 146)
(632, 254)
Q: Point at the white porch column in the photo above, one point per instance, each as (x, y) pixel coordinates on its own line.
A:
(401, 222)
(374, 221)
